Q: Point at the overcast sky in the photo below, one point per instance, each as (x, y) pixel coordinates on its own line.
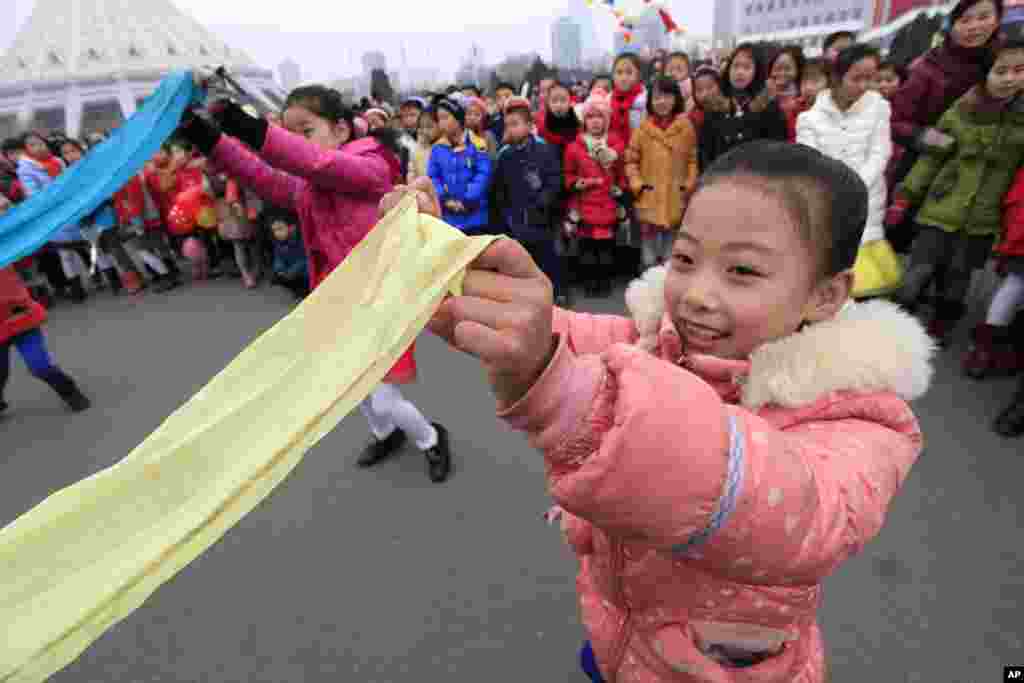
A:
(327, 37)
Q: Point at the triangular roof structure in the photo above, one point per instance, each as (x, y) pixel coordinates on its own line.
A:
(78, 65)
(85, 39)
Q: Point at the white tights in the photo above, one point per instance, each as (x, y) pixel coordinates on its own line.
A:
(386, 410)
(1007, 299)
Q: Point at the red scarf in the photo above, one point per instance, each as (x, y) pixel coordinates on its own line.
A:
(663, 123)
(622, 102)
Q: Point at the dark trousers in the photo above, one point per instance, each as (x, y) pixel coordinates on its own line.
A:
(110, 242)
(597, 262)
(547, 258)
(947, 258)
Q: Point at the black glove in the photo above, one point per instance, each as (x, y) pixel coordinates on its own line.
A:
(200, 132)
(233, 120)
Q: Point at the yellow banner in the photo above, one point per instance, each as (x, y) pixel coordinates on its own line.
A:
(90, 554)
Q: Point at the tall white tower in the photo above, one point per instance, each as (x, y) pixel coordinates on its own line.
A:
(78, 65)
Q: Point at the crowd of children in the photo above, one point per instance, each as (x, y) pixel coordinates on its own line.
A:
(707, 473)
(594, 179)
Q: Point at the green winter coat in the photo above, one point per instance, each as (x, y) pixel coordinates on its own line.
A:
(963, 187)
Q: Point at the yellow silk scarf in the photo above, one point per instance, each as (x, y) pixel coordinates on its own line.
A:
(90, 554)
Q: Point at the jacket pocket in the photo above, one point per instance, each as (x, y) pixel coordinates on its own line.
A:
(945, 181)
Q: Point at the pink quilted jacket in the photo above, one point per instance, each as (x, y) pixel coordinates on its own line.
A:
(335, 194)
(707, 499)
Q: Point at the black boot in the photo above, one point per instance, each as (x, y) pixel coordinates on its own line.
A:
(163, 283)
(380, 449)
(1010, 422)
(3, 406)
(439, 458)
(76, 290)
(67, 390)
(113, 279)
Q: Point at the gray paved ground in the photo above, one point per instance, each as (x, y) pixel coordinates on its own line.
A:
(350, 575)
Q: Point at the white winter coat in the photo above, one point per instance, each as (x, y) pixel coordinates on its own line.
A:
(860, 138)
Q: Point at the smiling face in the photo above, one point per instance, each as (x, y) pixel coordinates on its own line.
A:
(741, 274)
(742, 70)
(316, 129)
(976, 26)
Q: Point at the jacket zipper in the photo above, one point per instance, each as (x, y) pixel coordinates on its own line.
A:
(620, 594)
(984, 176)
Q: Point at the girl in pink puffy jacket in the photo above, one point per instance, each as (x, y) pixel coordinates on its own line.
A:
(720, 454)
(315, 167)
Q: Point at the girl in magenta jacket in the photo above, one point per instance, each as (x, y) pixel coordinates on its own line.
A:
(720, 454)
(312, 166)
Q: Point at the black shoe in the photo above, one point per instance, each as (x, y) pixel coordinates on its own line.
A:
(3, 406)
(78, 402)
(163, 283)
(439, 458)
(1010, 422)
(381, 449)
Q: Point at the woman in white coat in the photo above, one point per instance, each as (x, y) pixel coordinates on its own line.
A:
(850, 122)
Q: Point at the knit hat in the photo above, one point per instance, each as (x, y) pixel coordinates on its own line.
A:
(598, 104)
(418, 102)
(379, 112)
(453, 106)
(516, 103)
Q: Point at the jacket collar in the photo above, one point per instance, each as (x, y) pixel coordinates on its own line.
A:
(827, 104)
(873, 346)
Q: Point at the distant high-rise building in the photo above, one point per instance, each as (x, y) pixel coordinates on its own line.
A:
(583, 15)
(289, 74)
(566, 44)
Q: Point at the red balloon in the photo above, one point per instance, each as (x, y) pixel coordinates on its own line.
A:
(185, 210)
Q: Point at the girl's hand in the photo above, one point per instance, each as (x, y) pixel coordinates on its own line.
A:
(503, 318)
(422, 188)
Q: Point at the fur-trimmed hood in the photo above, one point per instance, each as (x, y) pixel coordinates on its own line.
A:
(873, 346)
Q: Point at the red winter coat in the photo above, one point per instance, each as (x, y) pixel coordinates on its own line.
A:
(628, 109)
(160, 183)
(19, 312)
(1012, 242)
(596, 206)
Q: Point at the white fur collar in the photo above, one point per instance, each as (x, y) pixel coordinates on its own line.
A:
(873, 346)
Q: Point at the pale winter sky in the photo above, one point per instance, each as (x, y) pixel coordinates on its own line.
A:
(327, 37)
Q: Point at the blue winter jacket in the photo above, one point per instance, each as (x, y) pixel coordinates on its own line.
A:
(464, 176)
(527, 183)
(35, 179)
